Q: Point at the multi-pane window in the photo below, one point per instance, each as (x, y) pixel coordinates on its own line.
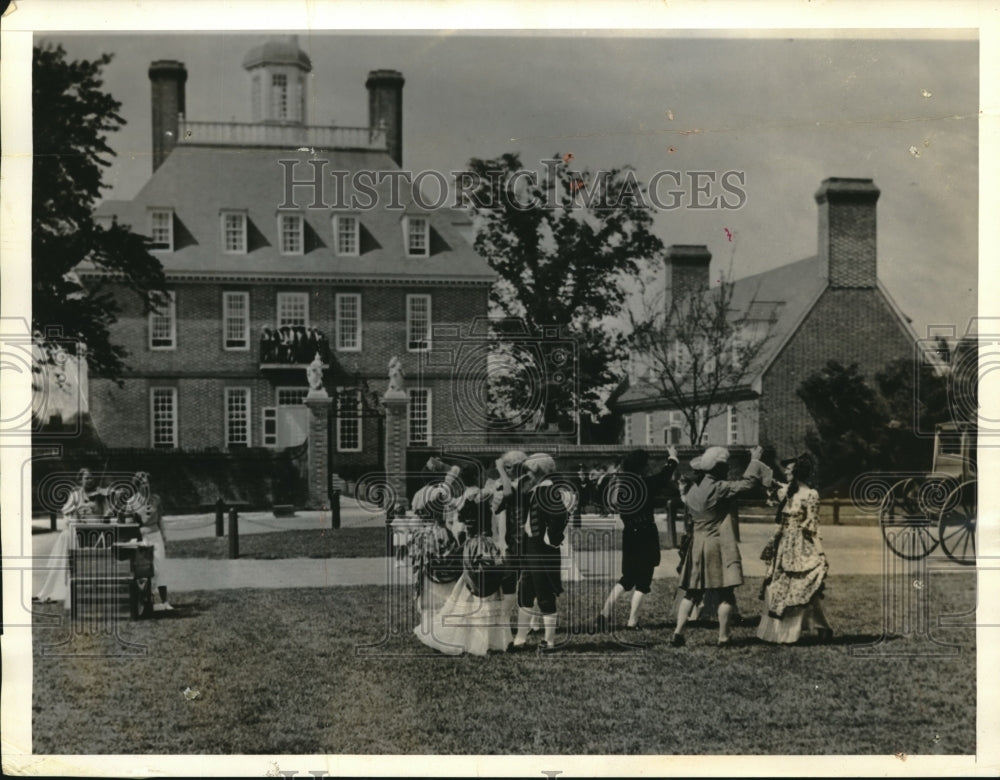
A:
(628, 429)
(349, 420)
(672, 433)
(163, 416)
(649, 429)
(290, 234)
(269, 421)
(255, 104)
(733, 424)
(418, 322)
(701, 421)
(163, 324)
(161, 229)
(420, 416)
(236, 320)
(345, 235)
(237, 417)
(292, 396)
(293, 310)
(234, 232)
(417, 236)
(279, 96)
(348, 321)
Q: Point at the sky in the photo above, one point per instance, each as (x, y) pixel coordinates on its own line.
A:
(784, 112)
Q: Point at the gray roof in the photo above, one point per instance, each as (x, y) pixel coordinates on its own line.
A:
(787, 293)
(199, 182)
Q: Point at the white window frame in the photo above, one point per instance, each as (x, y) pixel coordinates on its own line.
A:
(338, 301)
(287, 296)
(280, 98)
(279, 390)
(338, 222)
(701, 420)
(171, 314)
(732, 425)
(226, 295)
(269, 414)
(409, 233)
(409, 417)
(301, 236)
(409, 321)
(355, 420)
(627, 433)
(248, 416)
(175, 421)
(169, 243)
(224, 215)
(649, 429)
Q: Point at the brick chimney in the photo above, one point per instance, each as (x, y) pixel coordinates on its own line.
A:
(687, 269)
(167, 79)
(847, 247)
(385, 108)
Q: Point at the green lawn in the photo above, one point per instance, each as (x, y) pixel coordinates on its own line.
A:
(368, 542)
(284, 671)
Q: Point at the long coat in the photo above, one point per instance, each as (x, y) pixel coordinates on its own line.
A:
(714, 558)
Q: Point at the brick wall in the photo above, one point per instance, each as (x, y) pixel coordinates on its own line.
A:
(200, 368)
(717, 431)
(846, 325)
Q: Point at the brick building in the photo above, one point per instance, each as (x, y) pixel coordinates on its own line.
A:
(266, 269)
(828, 307)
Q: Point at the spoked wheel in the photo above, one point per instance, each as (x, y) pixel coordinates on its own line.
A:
(906, 528)
(957, 526)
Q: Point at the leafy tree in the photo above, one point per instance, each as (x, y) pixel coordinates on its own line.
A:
(863, 427)
(72, 116)
(698, 345)
(563, 243)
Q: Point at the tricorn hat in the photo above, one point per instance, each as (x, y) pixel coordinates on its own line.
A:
(710, 458)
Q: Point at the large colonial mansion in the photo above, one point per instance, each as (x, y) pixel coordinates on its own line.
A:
(265, 272)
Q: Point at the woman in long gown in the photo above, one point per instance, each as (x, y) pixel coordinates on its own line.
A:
(80, 504)
(473, 619)
(793, 586)
(436, 548)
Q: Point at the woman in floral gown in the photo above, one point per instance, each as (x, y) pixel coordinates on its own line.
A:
(797, 566)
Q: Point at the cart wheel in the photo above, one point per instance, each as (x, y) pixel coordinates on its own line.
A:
(906, 529)
(957, 526)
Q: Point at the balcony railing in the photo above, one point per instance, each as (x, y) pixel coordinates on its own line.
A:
(284, 136)
(293, 346)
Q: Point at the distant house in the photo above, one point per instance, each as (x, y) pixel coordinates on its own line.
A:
(828, 307)
(266, 272)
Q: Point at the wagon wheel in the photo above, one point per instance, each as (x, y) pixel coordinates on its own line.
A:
(957, 526)
(906, 528)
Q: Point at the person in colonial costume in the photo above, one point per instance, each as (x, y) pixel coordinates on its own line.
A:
(83, 502)
(713, 562)
(507, 505)
(543, 520)
(634, 499)
(146, 508)
(472, 619)
(797, 566)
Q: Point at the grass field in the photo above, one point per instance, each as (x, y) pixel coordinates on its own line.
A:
(368, 542)
(286, 671)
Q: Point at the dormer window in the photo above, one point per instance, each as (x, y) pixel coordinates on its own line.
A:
(290, 234)
(234, 232)
(417, 231)
(345, 235)
(161, 229)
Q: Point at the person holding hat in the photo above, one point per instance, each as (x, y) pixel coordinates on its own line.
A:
(634, 498)
(797, 566)
(508, 505)
(713, 562)
(543, 518)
